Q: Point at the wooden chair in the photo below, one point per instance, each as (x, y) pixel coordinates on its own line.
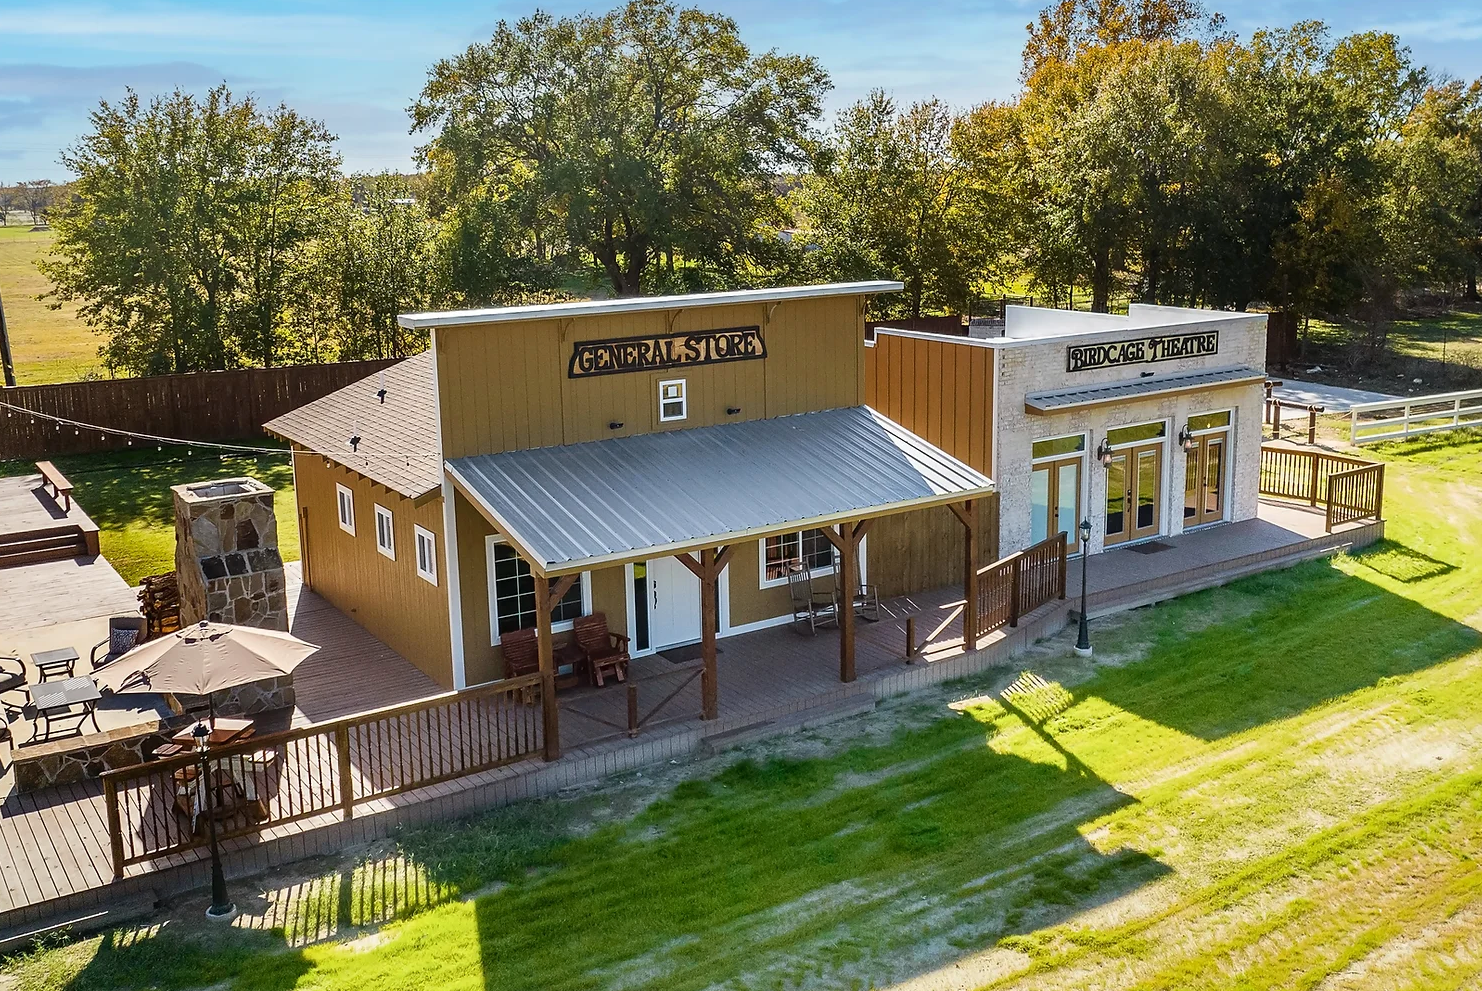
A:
(521, 652)
(811, 606)
(865, 601)
(604, 650)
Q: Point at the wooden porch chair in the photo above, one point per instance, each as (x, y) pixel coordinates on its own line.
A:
(866, 598)
(521, 652)
(811, 607)
(605, 651)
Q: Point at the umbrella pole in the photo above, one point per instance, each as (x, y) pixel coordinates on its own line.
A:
(211, 706)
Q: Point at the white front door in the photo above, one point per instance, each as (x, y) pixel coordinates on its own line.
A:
(673, 604)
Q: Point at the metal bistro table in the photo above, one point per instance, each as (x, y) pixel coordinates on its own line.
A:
(54, 700)
(62, 661)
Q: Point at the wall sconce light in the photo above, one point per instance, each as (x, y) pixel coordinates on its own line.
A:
(1104, 454)
(1186, 439)
(615, 425)
(732, 410)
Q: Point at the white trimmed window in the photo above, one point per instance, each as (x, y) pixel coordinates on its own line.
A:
(426, 554)
(672, 402)
(346, 500)
(512, 593)
(782, 553)
(385, 532)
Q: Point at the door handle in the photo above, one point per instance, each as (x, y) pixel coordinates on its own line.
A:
(656, 595)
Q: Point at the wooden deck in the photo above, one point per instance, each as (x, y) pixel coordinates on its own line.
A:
(55, 844)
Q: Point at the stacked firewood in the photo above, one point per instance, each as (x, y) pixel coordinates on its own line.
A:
(159, 601)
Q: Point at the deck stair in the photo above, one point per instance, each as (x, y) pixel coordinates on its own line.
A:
(53, 543)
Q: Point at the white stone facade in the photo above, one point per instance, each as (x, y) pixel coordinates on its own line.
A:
(1035, 361)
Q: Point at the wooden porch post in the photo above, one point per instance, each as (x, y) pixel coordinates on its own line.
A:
(712, 562)
(967, 515)
(846, 542)
(550, 716)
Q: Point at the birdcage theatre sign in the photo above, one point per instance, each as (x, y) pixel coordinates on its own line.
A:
(1159, 347)
(664, 351)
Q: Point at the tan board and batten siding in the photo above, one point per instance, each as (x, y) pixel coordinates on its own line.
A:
(388, 598)
(504, 387)
(942, 391)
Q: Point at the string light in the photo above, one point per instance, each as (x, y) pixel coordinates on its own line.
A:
(160, 441)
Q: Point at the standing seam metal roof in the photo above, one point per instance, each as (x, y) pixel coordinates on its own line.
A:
(601, 500)
(1056, 400)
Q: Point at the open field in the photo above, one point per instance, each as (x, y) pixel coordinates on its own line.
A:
(1274, 784)
(1443, 350)
(127, 493)
(47, 345)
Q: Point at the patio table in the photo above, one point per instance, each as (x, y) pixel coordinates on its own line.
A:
(54, 700)
(61, 661)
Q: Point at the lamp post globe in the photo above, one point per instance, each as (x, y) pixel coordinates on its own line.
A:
(1083, 638)
(222, 908)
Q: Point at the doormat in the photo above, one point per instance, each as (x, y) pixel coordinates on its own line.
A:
(1151, 547)
(685, 654)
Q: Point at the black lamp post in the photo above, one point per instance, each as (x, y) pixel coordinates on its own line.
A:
(222, 909)
(1083, 641)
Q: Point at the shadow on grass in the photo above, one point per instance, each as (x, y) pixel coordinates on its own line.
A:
(1403, 564)
(120, 488)
(1321, 634)
(144, 957)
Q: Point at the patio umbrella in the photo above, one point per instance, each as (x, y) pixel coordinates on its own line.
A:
(205, 658)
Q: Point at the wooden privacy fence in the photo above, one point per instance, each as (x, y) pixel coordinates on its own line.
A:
(158, 808)
(1370, 423)
(1017, 585)
(195, 406)
(1348, 488)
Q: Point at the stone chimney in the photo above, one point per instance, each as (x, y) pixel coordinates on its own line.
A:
(227, 564)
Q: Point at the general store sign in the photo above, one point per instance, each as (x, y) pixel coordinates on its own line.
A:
(663, 351)
(1159, 347)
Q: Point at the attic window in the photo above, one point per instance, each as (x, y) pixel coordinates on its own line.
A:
(672, 404)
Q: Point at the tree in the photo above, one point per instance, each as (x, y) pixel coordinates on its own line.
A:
(892, 196)
(36, 197)
(645, 131)
(185, 218)
(375, 259)
(1068, 28)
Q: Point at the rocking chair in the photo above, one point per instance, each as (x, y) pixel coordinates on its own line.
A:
(810, 606)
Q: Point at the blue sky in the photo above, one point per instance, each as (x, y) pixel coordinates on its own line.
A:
(357, 65)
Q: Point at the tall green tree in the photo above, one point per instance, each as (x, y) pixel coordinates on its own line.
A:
(375, 259)
(644, 131)
(184, 216)
(892, 195)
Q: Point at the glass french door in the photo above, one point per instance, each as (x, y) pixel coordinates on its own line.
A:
(1055, 499)
(1204, 479)
(1134, 485)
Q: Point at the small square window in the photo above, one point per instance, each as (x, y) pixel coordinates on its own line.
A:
(426, 555)
(385, 532)
(672, 404)
(346, 500)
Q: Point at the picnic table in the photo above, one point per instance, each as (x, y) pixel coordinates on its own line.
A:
(54, 700)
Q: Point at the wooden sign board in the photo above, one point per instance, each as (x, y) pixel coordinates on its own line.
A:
(665, 351)
(1158, 347)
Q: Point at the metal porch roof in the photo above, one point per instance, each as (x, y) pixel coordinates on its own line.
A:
(1060, 400)
(611, 501)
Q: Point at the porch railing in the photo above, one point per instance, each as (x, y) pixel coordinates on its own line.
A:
(158, 808)
(1349, 489)
(1016, 585)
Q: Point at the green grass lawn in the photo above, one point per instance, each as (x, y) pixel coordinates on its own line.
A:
(1444, 351)
(1273, 784)
(47, 345)
(127, 493)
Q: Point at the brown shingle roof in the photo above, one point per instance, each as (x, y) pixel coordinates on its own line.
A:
(398, 438)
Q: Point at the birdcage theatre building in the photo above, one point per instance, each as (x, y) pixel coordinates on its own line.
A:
(666, 462)
(1147, 425)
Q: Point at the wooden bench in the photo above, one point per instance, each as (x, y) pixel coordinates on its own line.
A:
(61, 489)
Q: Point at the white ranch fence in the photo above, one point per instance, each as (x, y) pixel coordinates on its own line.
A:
(1396, 419)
